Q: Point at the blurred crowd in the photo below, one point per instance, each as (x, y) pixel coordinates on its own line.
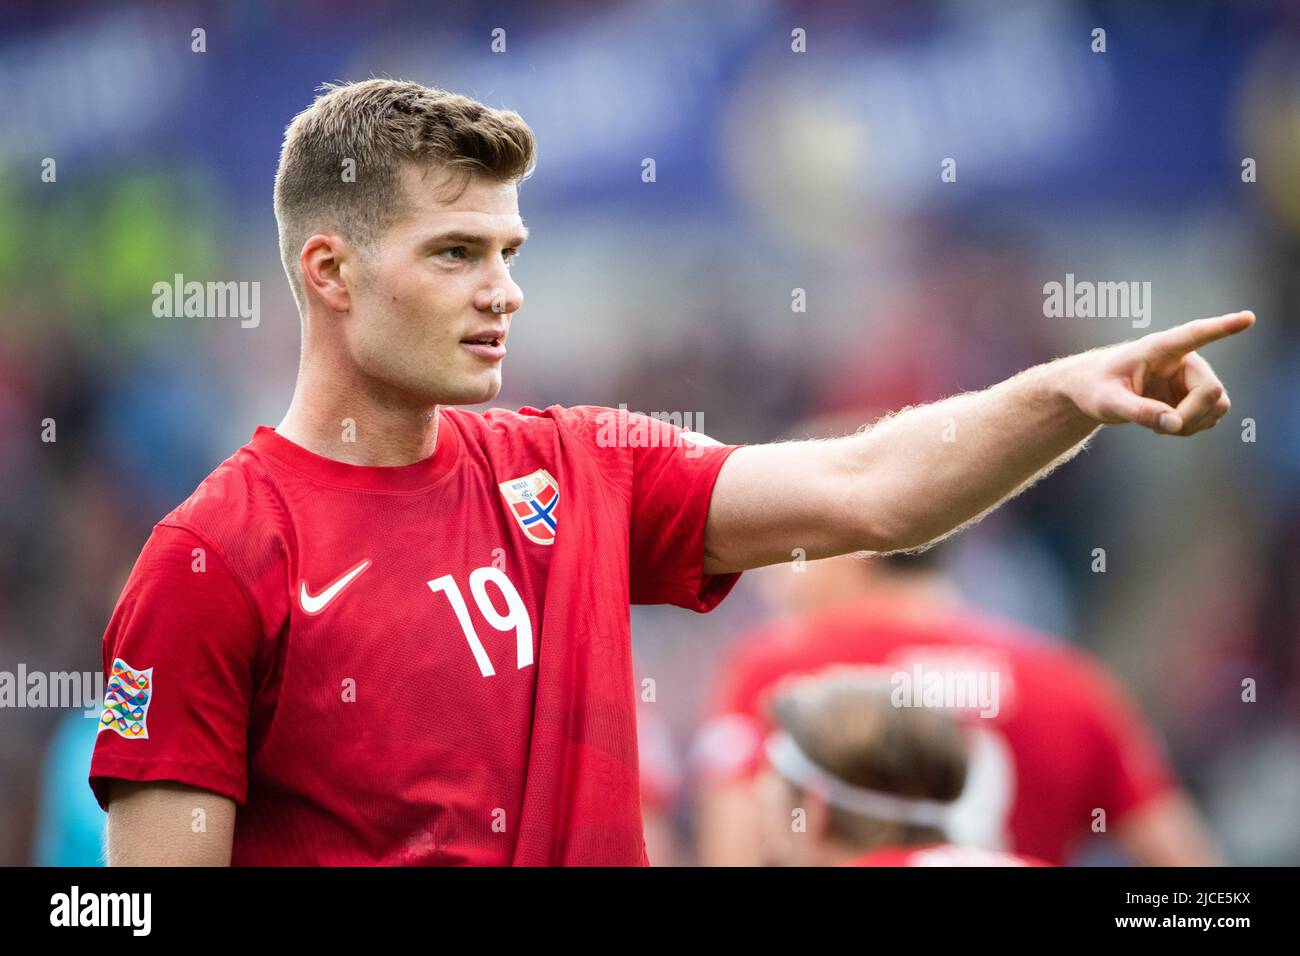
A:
(796, 264)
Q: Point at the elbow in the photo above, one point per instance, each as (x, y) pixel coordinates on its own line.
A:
(873, 525)
(885, 531)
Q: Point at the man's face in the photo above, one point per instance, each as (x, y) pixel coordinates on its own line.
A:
(436, 280)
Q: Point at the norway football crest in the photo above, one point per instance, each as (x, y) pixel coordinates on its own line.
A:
(126, 701)
(533, 500)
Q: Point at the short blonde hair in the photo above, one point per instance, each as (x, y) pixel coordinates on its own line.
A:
(844, 719)
(379, 125)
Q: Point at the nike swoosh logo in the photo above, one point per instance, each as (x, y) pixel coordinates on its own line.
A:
(315, 603)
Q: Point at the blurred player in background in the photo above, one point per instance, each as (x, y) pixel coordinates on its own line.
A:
(849, 779)
(1065, 742)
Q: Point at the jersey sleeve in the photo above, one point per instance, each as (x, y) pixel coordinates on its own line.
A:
(1132, 767)
(672, 485)
(672, 474)
(180, 653)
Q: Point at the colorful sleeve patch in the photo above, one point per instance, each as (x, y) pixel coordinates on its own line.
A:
(126, 701)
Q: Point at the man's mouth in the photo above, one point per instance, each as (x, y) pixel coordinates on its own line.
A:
(489, 346)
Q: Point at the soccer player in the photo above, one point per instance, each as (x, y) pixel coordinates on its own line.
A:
(849, 779)
(392, 631)
(1062, 741)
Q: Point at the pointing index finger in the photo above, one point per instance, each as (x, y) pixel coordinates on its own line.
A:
(1190, 336)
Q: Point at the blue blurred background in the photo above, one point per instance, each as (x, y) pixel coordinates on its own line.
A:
(774, 171)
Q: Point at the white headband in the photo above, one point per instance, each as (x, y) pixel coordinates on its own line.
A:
(793, 764)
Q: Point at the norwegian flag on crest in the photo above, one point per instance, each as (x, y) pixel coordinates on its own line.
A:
(533, 500)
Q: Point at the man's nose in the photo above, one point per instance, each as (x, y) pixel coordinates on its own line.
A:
(501, 295)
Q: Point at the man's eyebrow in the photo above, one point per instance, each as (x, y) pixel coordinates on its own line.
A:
(474, 239)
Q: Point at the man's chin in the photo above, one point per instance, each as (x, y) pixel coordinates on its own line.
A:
(473, 393)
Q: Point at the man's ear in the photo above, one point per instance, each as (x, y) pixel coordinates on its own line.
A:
(326, 262)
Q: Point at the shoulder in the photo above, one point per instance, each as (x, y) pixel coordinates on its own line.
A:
(581, 439)
(239, 512)
(765, 655)
(1066, 680)
(1028, 649)
(813, 639)
(1067, 669)
(582, 420)
(239, 490)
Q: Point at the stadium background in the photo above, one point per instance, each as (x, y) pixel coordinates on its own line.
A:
(774, 171)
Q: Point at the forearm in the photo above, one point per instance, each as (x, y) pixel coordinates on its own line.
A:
(932, 469)
(917, 476)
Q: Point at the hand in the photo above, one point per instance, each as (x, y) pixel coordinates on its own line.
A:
(1158, 381)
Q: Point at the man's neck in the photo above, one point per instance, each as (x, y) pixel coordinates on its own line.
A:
(922, 594)
(919, 596)
(358, 424)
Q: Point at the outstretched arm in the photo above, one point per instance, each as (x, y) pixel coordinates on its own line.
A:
(918, 475)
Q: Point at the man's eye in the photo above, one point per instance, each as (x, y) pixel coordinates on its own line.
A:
(456, 249)
(510, 255)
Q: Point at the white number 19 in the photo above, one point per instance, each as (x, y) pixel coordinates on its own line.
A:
(516, 616)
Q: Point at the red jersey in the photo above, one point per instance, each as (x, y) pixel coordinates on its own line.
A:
(1065, 740)
(427, 664)
(942, 854)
